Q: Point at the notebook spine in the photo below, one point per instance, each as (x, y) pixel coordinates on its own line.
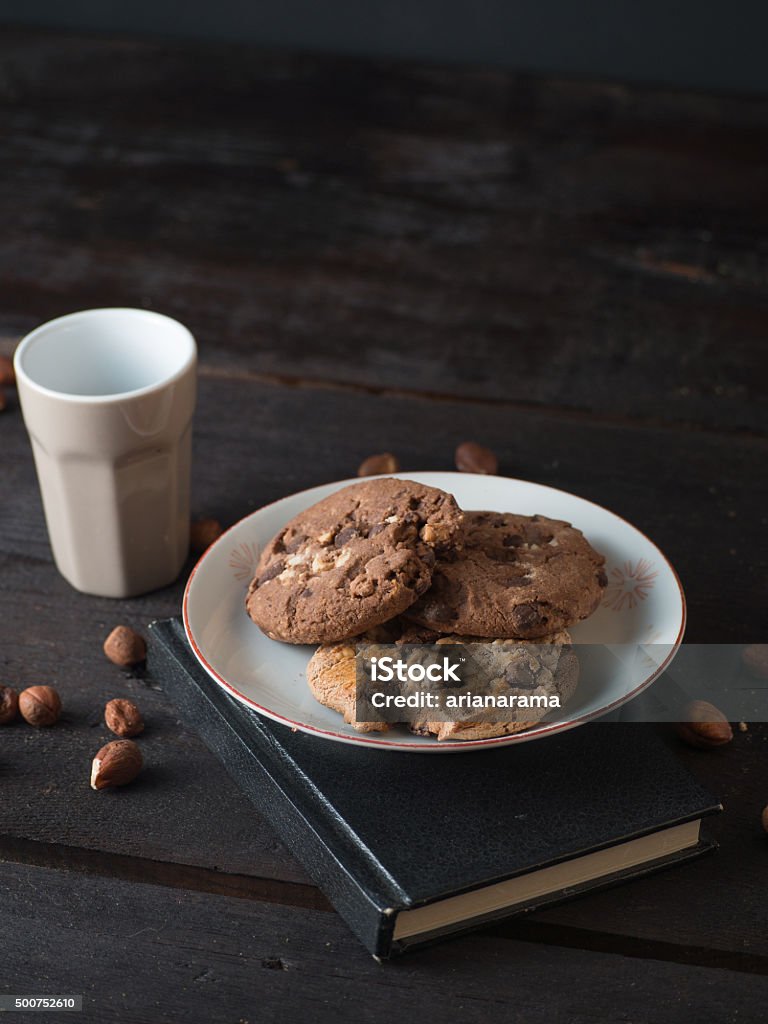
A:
(364, 899)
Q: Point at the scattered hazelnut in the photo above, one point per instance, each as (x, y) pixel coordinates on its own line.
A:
(374, 465)
(123, 717)
(764, 818)
(287, 164)
(474, 458)
(755, 658)
(125, 647)
(40, 705)
(9, 704)
(116, 764)
(7, 372)
(704, 726)
(743, 727)
(202, 533)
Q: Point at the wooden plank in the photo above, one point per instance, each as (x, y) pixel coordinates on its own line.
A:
(139, 952)
(584, 245)
(254, 444)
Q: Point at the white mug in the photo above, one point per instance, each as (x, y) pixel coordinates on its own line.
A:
(108, 397)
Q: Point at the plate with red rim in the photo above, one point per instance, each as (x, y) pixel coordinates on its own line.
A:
(643, 608)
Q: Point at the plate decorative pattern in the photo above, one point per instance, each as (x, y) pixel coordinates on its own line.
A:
(270, 677)
(243, 560)
(629, 584)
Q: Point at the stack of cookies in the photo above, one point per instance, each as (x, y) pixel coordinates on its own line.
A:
(391, 560)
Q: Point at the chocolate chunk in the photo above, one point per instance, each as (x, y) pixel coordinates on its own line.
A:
(271, 572)
(510, 582)
(526, 617)
(345, 535)
(294, 543)
(520, 675)
(512, 540)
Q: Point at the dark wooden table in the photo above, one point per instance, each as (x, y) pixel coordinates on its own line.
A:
(378, 256)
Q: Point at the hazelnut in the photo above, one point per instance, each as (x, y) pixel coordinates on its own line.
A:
(704, 726)
(40, 705)
(474, 458)
(764, 819)
(125, 647)
(755, 659)
(7, 372)
(202, 533)
(9, 704)
(123, 717)
(116, 764)
(374, 465)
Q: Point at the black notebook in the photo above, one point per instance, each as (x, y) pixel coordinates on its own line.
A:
(413, 847)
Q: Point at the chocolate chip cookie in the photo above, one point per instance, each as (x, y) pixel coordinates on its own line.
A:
(515, 576)
(511, 666)
(331, 675)
(353, 560)
(546, 667)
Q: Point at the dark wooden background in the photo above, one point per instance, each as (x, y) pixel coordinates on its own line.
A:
(378, 256)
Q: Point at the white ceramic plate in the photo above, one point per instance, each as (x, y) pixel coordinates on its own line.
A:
(643, 604)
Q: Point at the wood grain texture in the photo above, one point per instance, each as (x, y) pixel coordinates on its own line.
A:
(584, 245)
(254, 444)
(141, 953)
(378, 256)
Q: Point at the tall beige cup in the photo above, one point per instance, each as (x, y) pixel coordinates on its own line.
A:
(108, 397)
